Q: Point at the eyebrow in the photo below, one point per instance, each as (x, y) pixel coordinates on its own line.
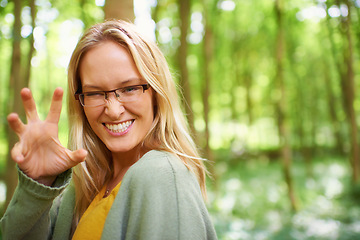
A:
(123, 83)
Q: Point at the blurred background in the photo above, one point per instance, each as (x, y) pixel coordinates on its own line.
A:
(270, 91)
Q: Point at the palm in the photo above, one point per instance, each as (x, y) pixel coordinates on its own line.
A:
(39, 153)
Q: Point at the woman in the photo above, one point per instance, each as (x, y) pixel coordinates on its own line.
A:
(137, 173)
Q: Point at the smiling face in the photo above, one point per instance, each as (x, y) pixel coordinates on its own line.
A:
(121, 126)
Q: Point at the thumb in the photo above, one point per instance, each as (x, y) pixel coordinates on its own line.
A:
(16, 153)
(78, 156)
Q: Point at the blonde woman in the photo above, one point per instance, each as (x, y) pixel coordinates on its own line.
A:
(131, 171)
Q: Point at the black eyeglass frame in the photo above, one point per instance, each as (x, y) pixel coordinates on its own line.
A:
(144, 86)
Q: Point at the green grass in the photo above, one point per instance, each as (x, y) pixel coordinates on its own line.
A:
(250, 201)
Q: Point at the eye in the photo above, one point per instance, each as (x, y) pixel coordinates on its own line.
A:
(130, 89)
(93, 94)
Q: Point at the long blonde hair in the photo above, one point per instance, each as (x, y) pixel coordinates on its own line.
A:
(169, 131)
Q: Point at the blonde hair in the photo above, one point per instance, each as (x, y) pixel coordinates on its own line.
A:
(169, 131)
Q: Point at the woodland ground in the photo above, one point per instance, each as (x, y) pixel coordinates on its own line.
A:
(251, 201)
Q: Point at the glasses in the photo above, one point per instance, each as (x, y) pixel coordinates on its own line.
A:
(100, 98)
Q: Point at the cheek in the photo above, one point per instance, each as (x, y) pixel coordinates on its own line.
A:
(92, 115)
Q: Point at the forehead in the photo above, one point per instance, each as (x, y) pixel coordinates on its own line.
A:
(126, 83)
(107, 65)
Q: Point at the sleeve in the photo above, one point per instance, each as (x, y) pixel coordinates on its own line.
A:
(28, 214)
(162, 201)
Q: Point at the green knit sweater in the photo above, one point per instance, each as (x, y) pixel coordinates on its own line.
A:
(159, 198)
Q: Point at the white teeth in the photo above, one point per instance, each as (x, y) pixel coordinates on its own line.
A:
(121, 127)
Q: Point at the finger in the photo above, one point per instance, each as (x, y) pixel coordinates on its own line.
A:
(78, 156)
(15, 123)
(55, 108)
(16, 153)
(29, 104)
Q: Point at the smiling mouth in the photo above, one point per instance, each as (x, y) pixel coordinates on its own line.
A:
(120, 127)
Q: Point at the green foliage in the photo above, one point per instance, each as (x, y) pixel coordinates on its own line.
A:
(242, 91)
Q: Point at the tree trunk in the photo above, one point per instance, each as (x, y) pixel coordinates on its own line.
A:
(31, 44)
(332, 111)
(208, 48)
(237, 57)
(350, 93)
(236, 69)
(304, 141)
(155, 16)
(281, 104)
(338, 65)
(84, 14)
(16, 84)
(115, 9)
(248, 84)
(182, 55)
(346, 75)
(357, 29)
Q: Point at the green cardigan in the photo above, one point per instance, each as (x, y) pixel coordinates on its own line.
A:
(159, 198)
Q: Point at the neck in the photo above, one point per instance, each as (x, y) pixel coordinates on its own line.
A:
(121, 163)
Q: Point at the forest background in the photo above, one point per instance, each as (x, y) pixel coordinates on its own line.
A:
(270, 93)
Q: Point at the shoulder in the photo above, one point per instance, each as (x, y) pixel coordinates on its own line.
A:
(159, 168)
(155, 162)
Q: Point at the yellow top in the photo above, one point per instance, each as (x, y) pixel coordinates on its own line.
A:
(91, 224)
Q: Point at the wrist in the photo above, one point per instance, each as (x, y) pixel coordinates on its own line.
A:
(47, 181)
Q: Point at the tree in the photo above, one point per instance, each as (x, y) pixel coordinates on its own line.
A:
(346, 77)
(31, 43)
(332, 108)
(208, 53)
(120, 10)
(281, 103)
(184, 8)
(347, 82)
(16, 83)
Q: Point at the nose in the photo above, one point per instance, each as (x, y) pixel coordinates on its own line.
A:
(113, 107)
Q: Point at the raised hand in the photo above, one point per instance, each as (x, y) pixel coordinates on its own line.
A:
(39, 153)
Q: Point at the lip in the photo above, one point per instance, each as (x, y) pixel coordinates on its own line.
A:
(131, 122)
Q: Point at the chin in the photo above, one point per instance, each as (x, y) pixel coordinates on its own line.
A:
(118, 148)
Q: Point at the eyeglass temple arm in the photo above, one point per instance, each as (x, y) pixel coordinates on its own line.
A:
(145, 87)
